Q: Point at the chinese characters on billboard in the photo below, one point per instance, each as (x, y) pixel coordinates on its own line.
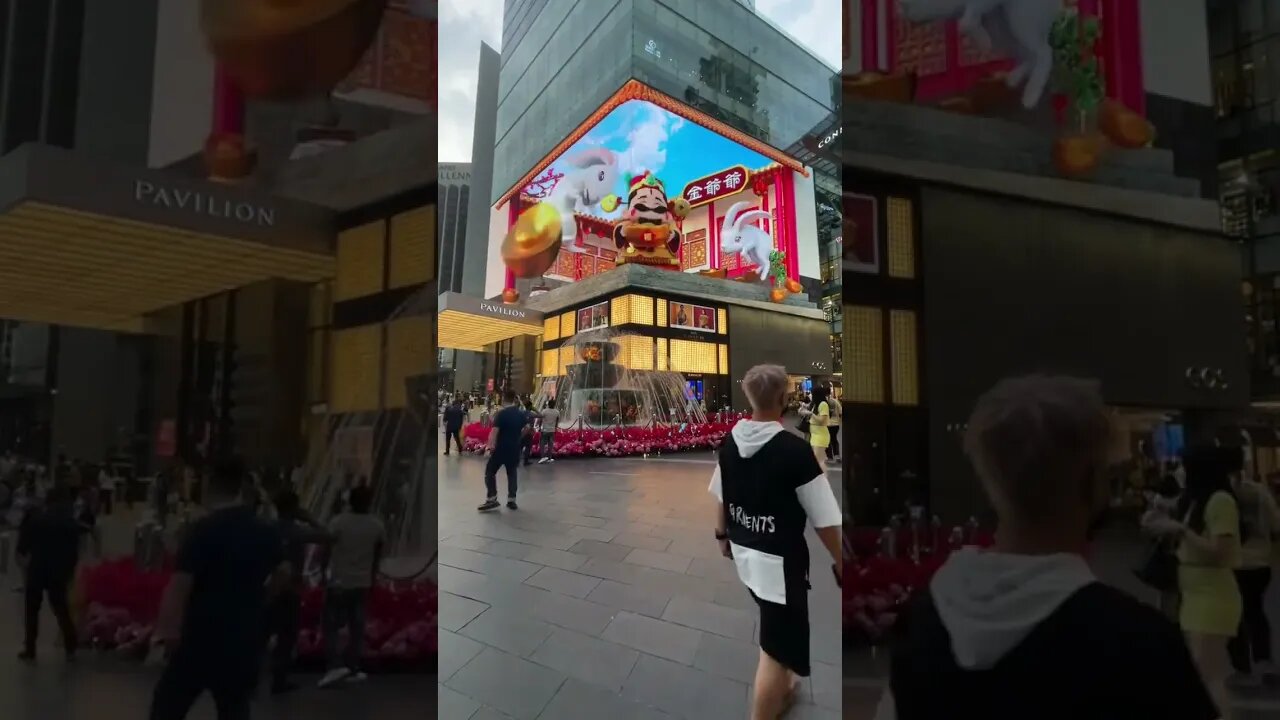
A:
(718, 185)
(691, 317)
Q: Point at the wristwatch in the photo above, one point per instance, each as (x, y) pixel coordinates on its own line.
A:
(722, 534)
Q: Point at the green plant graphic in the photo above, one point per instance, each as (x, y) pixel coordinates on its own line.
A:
(1077, 70)
(778, 268)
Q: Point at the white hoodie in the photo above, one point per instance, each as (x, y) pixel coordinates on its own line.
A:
(989, 602)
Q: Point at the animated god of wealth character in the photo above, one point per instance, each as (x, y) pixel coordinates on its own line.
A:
(648, 232)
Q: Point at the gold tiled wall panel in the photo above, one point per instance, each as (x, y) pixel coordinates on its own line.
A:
(620, 311)
(692, 356)
(904, 364)
(551, 328)
(902, 238)
(360, 261)
(635, 309)
(549, 363)
(863, 354)
(722, 321)
(567, 321)
(412, 241)
(408, 355)
(567, 358)
(637, 352)
(724, 359)
(356, 372)
(662, 313)
(662, 353)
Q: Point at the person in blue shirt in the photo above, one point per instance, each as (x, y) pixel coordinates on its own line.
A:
(510, 424)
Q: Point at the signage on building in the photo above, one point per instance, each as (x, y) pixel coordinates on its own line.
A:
(824, 143)
(202, 203)
(507, 310)
(454, 174)
(717, 185)
(691, 317)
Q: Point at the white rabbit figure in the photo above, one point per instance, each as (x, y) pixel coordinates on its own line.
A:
(589, 176)
(737, 234)
(1018, 29)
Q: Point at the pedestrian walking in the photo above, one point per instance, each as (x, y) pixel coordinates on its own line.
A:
(284, 614)
(505, 440)
(454, 415)
(1251, 647)
(1025, 630)
(48, 551)
(769, 486)
(819, 416)
(526, 435)
(358, 542)
(837, 410)
(213, 612)
(547, 436)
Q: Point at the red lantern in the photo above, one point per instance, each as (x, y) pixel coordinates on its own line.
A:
(760, 185)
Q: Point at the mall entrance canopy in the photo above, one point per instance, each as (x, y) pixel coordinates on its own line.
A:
(469, 323)
(88, 244)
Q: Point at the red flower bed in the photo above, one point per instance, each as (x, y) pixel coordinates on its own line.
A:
(122, 602)
(876, 588)
(619, 442)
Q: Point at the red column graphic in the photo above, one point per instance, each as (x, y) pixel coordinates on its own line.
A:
(870, 31)
(792, 245)
(228, 105)
(713, 237)
(1122, 53)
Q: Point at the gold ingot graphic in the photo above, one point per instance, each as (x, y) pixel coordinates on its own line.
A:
(532, 244)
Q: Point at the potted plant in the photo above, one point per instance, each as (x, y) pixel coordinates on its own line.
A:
(778, 270)
(1077, 79)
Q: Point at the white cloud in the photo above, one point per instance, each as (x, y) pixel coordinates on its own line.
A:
(464, 24)
(646, 143)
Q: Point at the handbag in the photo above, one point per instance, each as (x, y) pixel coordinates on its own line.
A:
(803, 427)
(1159, 567)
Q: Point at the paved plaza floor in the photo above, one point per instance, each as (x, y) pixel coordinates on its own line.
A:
(605, 596)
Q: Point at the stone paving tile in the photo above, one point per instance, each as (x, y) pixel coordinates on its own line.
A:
(728, 658)
(658, 560)
(515, 634)
(656, 637)
(515, 686)
(638, 540)
(596, 549)
(710, 617)
(491, 565)
(572, 613)
(636, 598)
(719, 568)
(586, 533)
(684, 691)
(563, 582)
(589, 659)
(454, 705)
(508, 549)
(488, 713)
(560, 559)
(825, 685)
(455, 652)
(466, 541)
(578, 699)
(456, 611)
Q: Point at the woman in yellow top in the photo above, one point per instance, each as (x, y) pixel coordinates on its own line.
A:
(819, 420)
(1260, 518)
(1208, 526)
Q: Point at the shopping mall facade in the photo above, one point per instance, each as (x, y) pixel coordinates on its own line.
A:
(659, 86)
(969, 258)
(155, 316)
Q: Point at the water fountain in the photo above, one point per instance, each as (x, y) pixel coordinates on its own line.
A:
(601, 391)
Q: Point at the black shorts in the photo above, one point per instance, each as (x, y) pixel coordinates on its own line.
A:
(784, 629)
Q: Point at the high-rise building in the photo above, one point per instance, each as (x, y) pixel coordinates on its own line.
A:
(562, 60)
(455, 196)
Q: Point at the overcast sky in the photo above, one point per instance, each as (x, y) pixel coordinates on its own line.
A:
(464, 24)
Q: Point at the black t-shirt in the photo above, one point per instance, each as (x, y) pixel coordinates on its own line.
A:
(229, 554)
(763, 512)
(510, 422)
(453, 416)
(1102, 655)
(51, 539)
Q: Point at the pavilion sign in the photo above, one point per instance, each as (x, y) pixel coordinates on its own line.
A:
(196, 202)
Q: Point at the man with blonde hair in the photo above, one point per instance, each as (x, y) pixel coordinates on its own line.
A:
(769, 486)
(1025, 630)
